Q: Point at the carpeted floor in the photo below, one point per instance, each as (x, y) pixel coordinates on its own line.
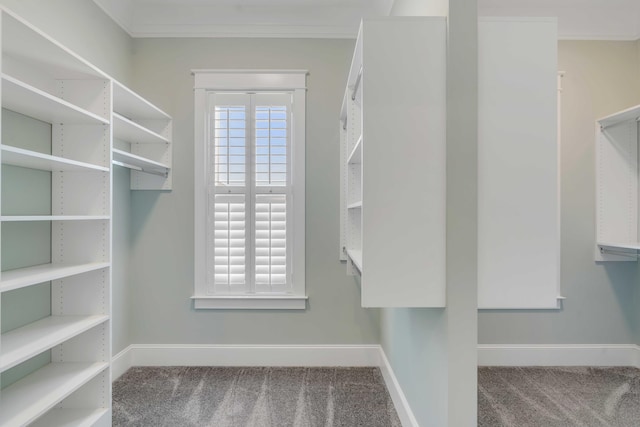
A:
(558, 397)
(252, 397)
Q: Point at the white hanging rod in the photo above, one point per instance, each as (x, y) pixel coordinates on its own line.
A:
(139, 169)
(356, 84)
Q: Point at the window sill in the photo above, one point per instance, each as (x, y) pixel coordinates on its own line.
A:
(251, 302)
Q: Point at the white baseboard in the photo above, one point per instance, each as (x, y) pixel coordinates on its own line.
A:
(120, 363)
(397, 395)
(559, 355)
(266, 355)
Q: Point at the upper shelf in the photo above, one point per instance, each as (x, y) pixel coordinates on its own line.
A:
(24, 43)
(629, 246)
(33, 160)
(632, 113)
(23, 277)
(132, 132)
(28, 100)
(30, 218)
(129, 104)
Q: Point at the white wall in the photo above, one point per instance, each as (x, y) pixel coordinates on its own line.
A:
(602, 298)
(162, 257)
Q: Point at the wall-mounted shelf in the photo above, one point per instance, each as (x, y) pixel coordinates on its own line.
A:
(30, 101)
(23, 343)
(617, 186)
(71, 418)
(32, 396)
(139, 163)
(142, 141)
(23, 277)
(33, 160)
(393, 183)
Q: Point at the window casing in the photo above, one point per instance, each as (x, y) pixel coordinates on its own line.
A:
(249, 184)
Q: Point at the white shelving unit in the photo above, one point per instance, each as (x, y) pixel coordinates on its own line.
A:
(393, 155)
(43, 80)
(617, 186)
(142, 140)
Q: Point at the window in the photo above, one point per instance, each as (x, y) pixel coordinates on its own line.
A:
(249, 184)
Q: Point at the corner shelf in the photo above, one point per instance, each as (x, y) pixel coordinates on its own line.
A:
(632, 113)
(15, 156)
(134, 133)
(23, 277)
(32, 396)
(28, 341)
(33, 102)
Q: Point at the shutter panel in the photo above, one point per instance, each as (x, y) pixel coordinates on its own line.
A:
(228, 243)
(230, 145)
(271, 127)
(271, 243)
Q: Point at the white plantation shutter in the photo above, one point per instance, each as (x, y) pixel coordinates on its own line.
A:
(250, 194)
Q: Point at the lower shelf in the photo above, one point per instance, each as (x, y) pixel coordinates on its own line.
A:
(71, 418)
(31, 397)
(142, 164)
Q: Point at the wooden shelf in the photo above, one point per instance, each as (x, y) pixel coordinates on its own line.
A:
(355, 157)
(70, 418)
(632, 113)
(28, 341)
(23, 402)
(23, 277)
(356, 257)
(356, 205)
(29, 218)
(128, 131)
(135, 162)
(129, 104)
(28, 100)
(33, 160)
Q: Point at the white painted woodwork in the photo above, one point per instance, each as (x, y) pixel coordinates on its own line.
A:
(518, 188)
(395, 115)
(23, 343)
(617, 186)
(44, 80)
(22, 277)
(24, 401)
(146, 131)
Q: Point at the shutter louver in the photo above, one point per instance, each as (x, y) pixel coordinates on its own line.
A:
(229, 242)
(271, 242)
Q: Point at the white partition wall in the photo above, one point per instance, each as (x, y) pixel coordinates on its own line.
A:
(393, 130)
(518, 184)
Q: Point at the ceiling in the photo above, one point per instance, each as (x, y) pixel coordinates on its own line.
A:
(577, 19)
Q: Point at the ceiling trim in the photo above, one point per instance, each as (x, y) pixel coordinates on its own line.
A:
(244, 31)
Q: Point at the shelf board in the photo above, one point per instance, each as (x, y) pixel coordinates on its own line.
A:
(28, 341)
(26, 400)
(130, 104)
(356, 257)
(356, 205)
(28, 100)
(33, 160)
(23, 277)
(70, 418)
(355, 157)
(621, 246)
(128, 131)
(135, 162)
(632, 113)
(28, 218)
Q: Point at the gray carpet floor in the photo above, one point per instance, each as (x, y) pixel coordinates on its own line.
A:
(252, 397)
(558, 397)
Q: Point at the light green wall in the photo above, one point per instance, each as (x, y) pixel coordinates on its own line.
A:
(602, 299)
(162, 261)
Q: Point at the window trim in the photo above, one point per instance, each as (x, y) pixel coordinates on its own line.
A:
(293, 81)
